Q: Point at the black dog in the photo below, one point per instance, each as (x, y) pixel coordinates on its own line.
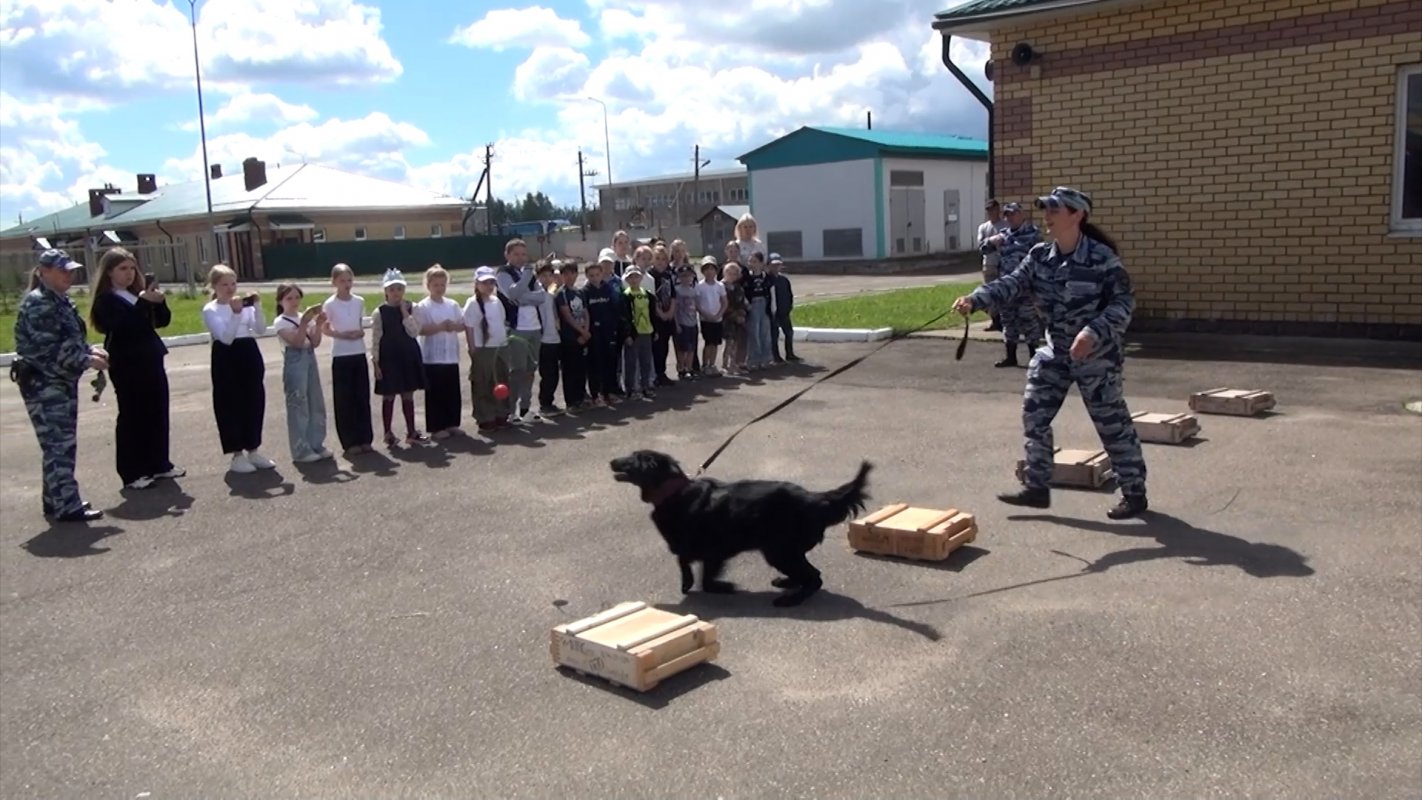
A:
(712, 521)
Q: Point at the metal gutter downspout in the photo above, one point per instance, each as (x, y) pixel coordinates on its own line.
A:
(982, 98)
(171, 246)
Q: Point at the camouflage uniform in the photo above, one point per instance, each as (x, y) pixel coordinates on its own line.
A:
(1020, 320)
(52, 341)
(1086, 289)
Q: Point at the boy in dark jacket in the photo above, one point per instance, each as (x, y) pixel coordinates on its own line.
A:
(782, 302)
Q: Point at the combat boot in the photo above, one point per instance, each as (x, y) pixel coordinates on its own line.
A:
(1131, 505)
(1011, 360)
(1028, 496)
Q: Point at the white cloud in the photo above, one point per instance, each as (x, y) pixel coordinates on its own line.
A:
(550, 72)
(260, 108)
(510, 28)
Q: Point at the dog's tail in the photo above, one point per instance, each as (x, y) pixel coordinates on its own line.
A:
(841, 503)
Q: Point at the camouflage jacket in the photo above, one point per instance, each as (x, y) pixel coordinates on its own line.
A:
(50, 335)
(1086, 289)
(1018, 242)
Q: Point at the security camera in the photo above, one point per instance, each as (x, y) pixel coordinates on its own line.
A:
(1023, 54)
(987, 69)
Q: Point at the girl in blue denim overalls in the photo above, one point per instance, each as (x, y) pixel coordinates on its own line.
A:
(300, 334)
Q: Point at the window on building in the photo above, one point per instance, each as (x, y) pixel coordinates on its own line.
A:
(436, 230)
(399, 231)
(788, 244)
(1407, 163)
(360, 233)
(899, 177)
(844, 243)
(318, 235)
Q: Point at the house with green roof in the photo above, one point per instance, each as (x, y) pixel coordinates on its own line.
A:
(824, 193)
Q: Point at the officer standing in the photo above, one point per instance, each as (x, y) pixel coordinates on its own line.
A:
(52, 352)
(991, 259)
(1085, 293)
(1020, 321)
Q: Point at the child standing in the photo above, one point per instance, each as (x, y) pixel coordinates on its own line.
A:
(350, 372)
(605, 324)
(637, 331)
(687, 318)
(549, 346)
(486, 332)
(239, 396)
(574, 333)
(757, 287)
(399, 365)
(782, 302)
(300, 335)
(441, 322)
(711, 303)
(734, 322)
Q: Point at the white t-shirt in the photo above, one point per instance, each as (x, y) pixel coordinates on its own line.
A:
(752, 246)
(346, 315)
(528, 315)
(708, 299)
(442, 347)
(225, 325)
(494, 313)
(550, 318)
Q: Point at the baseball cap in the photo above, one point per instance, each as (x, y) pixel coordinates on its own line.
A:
(485, 274)
(392, 278)
(775, 258)
(608, 254)
(632, 271)
(1065, 196)
(1011, 208)
(58, 258)
(708, 261)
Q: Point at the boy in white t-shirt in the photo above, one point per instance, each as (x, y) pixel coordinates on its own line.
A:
(711, 303)
(550, 343)
(350, 369)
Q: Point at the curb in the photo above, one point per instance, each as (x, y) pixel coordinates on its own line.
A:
(839, 335)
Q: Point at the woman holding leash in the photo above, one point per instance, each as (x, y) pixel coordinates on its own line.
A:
(1085, 294)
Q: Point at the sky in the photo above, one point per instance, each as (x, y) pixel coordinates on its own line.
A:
(96, 91)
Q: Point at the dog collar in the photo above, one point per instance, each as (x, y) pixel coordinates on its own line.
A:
(667, 489)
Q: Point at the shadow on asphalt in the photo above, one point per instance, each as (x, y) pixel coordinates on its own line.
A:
(70, 540)
(665, 692)
(162, 499)
(824, 606)
(957, 561)
(265, 484)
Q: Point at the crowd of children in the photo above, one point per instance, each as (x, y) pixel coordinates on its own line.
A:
(604, 336)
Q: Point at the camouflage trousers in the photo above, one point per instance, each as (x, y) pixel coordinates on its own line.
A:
(1048, 381)
(1020, 323)
(54, 412)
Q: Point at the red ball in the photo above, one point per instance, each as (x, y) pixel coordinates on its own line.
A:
(501, 391)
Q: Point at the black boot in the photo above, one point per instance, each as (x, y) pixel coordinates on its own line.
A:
(1131, 505)
(1027, 496)
(996, 323)
(1011, 360)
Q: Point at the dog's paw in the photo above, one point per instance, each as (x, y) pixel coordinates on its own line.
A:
(719, 587)
(784, 583)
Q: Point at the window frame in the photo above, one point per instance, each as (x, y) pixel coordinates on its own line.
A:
(1399, 224)
(360, 233)
(399, 232)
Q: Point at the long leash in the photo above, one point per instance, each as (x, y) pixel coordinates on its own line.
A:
(846, 367)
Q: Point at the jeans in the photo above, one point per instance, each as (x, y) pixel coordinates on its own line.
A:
(638, 371)
(305, 407)
(758, 338)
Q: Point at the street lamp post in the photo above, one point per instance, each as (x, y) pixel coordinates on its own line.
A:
(202, 128)
(606, 139)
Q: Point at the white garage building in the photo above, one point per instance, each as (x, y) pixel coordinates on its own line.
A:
(827, 193)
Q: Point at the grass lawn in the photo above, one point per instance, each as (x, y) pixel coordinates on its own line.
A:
(187, 313)
(902, 309)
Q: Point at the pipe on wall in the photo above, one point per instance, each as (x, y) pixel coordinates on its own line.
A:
(982, 98)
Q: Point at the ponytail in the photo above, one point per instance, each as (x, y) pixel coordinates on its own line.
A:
(1099, 235)
(483, 317)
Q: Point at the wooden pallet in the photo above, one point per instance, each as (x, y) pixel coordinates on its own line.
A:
(1081, 469)
(1235, 402)
(924, 534)
(634, 645)
(1165, 428)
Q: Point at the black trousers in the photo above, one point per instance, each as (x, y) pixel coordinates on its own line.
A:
(444, 400)
(548, 371)
(602, 366)
(239, 394)
(573, 357)
(661, 347)
(141, 439)
(780, 323)
(350, 394)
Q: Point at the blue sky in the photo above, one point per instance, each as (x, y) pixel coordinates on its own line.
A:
(99, 90)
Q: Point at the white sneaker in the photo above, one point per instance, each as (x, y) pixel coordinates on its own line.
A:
(140, 483)
(309, 458)
(175, 472)
(241, 464)
(325, 454)
(260, 461)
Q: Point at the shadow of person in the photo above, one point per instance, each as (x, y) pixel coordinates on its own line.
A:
(324, 472)
(1196, 546)
(264, 484)
(70, 540)
(165, 499)
(823, 606)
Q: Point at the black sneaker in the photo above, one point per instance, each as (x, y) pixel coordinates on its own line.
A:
(1130, 506)
(80, 515)
(1032, 498)
(1007, 362)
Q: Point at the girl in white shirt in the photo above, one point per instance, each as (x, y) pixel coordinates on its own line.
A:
(441, 321)
(300, 335)
(486, 332)
(239, 397)
(350, 369)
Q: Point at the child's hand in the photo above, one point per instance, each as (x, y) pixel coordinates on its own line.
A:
(377, 372)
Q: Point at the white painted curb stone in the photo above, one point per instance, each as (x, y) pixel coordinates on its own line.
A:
(839, 335)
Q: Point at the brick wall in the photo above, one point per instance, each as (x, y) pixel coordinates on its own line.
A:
(1241, 152)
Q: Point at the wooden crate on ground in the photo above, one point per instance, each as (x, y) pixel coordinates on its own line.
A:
(924, 534)
(1082, 469)
(1165, 428)
(635, 645)
(1235, 402)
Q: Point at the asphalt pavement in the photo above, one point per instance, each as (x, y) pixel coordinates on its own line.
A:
(381, 628)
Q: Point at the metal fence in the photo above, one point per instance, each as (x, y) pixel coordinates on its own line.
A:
(285, 261)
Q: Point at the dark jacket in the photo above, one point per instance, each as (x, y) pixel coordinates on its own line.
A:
(784, 294)
(131, 329)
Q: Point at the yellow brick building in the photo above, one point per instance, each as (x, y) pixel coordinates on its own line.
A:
(1259, 161)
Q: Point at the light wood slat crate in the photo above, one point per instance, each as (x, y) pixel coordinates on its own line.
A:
(924, 534)
(1234, 402)
(1165, 428)
(634, 645)
(1079, 469)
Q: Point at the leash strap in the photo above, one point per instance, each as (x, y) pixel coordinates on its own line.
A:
(796, 396)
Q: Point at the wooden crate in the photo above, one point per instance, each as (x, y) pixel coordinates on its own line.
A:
(925, 534)
(634, 645)
(1165, 428)
(1235, 402)
(1082, 469)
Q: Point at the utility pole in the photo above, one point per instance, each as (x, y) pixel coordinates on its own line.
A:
(583, 193)
(489, 185)
(696, 165)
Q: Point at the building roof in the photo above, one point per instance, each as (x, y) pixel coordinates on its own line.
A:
(681, 177)
(298, 188)
(824, 145)
(734, 212)
(981, 16)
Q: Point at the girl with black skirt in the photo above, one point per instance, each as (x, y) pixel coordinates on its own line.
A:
(399, 365)
(239, 395)
(441, 322)
(128, 311)
(350, 370)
